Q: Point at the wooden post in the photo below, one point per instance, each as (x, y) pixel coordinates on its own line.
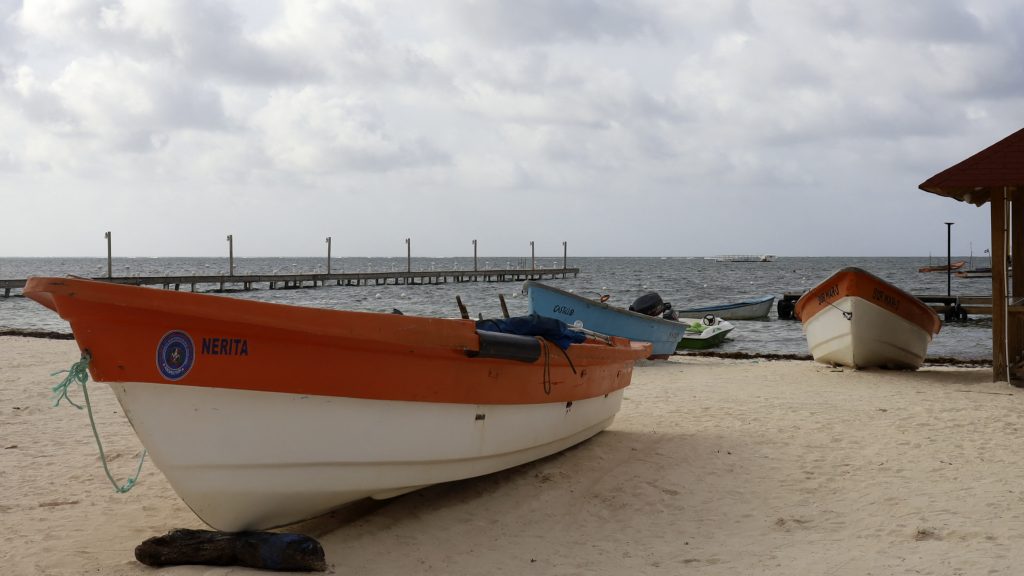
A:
(408, 257)
(474, 256)
(231, 257)
(462, 307)
(110, 273)
(532, 265)
(328, 255)
(504, 308)
(1015, 322)
(999, 360)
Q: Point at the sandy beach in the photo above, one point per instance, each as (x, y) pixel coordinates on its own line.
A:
(712, 467)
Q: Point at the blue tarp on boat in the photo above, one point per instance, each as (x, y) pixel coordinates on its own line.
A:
(533, 325)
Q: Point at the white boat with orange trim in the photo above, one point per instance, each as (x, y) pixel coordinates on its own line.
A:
(856, 319)
(262, 415)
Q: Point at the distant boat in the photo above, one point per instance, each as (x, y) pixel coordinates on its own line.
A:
(663, 334)
(985, 272)
(856, 319)
(746, 310)
(953, 266)
(743, 258)
(261, 414)
(708, 332)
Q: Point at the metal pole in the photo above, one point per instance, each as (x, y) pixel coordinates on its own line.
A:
(328, 254)
(231, 255)
(474, 255)
(533, 266)
(949, 269)
(565, 255)
(109, 268)
(408, 255)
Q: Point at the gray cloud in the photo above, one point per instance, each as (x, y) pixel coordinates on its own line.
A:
(514, 22)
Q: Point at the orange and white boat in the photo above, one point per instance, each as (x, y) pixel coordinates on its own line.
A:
(261, 415)
(859, 320)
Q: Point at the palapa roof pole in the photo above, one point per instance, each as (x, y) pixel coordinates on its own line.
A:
(1000, 368)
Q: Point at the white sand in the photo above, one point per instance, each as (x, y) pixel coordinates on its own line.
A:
(712, 467)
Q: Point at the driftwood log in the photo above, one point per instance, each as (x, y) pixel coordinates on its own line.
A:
(264, 550)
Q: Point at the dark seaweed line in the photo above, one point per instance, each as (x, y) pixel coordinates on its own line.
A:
(931, 361)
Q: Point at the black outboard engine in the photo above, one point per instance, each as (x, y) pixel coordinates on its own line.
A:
(649, 304)
(785, 309)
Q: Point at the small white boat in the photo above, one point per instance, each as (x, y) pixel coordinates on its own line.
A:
(859, 320)
(754, 309)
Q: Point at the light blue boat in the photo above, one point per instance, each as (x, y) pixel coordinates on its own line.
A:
(748, 310)
(664, 335)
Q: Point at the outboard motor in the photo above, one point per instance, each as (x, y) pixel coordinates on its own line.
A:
(649, 304)
(785, 309)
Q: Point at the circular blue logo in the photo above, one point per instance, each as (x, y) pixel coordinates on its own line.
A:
(175, 355)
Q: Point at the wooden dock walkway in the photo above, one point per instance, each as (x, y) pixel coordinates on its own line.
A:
(951, 308)
(311, 280)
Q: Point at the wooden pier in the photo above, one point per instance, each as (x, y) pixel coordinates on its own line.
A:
(951, 308)
(312, 280)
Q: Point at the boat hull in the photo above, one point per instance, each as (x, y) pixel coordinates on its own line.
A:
(254, 460)
(856, 319)
(263, 414)
(664, 335)
(750, 310)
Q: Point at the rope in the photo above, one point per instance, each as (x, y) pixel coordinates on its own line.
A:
(847, 315)
(79, 372)
(547, 364)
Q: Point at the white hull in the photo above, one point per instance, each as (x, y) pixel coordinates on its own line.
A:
(246, 460)
(871, 337)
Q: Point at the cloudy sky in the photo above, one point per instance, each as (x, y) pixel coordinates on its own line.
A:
(624, 127)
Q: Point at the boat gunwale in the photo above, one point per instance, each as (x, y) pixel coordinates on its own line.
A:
(123, 327)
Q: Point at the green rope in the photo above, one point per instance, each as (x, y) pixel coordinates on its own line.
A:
(79, 372)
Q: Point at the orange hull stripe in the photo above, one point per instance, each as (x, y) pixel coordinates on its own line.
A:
(261, 346)
(861, 284)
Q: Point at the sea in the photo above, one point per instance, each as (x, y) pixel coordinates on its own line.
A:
(684, 281)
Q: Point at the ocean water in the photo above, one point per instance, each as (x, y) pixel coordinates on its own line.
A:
(685, 282)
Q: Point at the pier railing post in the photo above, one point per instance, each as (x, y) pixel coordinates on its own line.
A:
(328, 255)
(231, 255)
(110, 273)
(408, 257)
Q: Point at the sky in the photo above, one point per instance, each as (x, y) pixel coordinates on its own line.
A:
(622, 127)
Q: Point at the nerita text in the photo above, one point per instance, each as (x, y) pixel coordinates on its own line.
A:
(226, 346)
